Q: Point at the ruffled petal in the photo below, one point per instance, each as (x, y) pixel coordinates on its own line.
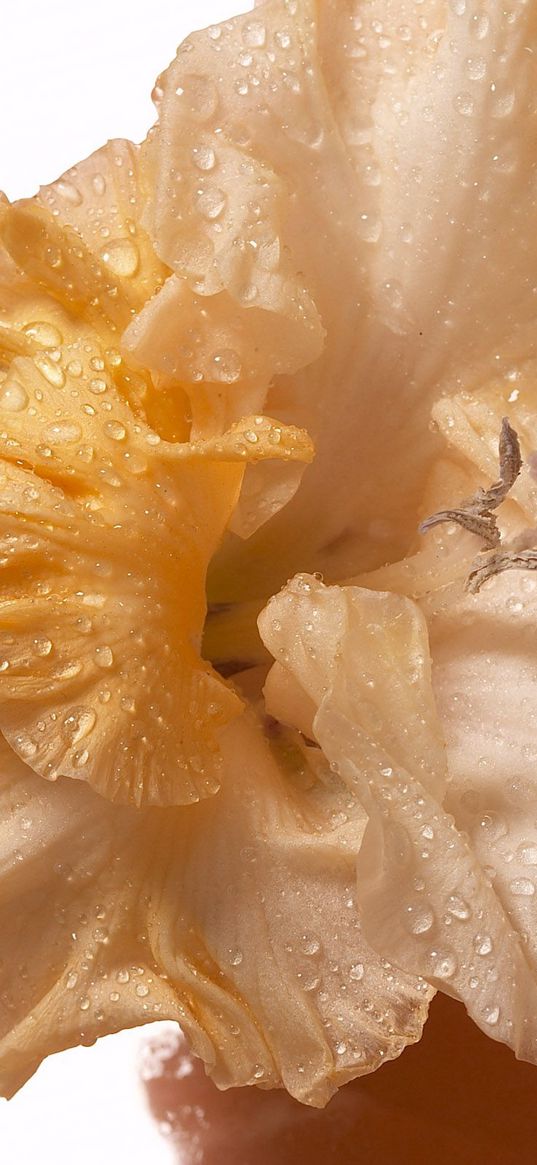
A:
(105, 536)
(263, 962)
(425, 892)
(72, 913)
(371, 125)
(81, 238)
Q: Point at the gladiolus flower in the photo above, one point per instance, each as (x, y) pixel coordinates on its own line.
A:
(258, 349)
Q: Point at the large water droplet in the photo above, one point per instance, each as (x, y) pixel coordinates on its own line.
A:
(522, 887)
(204, 158)
(420, 918)
(44, 334)
(211, 203)
(104, 656)
(62, 433)
(13, 397)
(115, 430)
(78, 724)
(122, 257)
(254, 34)
(227, 366)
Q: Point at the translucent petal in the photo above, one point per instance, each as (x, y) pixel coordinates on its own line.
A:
(406, 140)
(105, 537)
(72, 907)
(263, 963)
(425, 893)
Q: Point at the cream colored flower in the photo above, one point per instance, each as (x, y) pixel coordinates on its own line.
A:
(327, 226)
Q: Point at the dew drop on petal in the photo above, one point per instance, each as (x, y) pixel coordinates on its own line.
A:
(122, 257)
(115, 430)
(104, 656)
(44, 334)
(62, 433)
(227, 366)
(78, 724)
(483, 944)
(254, 34)
(13, 397)
(522, 887)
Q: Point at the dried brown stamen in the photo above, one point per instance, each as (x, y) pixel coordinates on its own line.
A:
(485, 566)
(476, 513)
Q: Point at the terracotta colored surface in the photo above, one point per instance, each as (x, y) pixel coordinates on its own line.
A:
(456, 1096)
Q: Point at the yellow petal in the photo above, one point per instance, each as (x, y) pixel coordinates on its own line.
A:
(81, 238)
(236, 917)
(106, 533)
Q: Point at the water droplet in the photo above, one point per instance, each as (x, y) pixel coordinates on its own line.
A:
(527, 853)
(200, 94)
(483, 944)
(122, 257)
(204, 158)
(211, 202)
(493, 826)
(44, 334)
(13, 397)
(42, 646)
(310, 944)
(503, 101)
(78, 724)
(491, 1015)
(25, 746)
(356, 972)
(254, 34)
(115, 430)
(97, 386)
(52, 371)
(522, 887)
(142, 990)
(458, 907)
(476, 68)
(69, 192)
(84, 1003)
(464, 104)
(62, 433)
(480, 25)
(80, 758)
(123, 976)
(420, 918)
(227, 366)
(444, 964)
(104, 656)
(99, 184)
(235, 957)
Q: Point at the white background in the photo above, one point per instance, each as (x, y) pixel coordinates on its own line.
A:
(75, 73)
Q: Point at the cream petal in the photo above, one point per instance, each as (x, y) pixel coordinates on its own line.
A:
(425, 892)
(240, 923)
(485, 682)
(411, 91)
(72, 883)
